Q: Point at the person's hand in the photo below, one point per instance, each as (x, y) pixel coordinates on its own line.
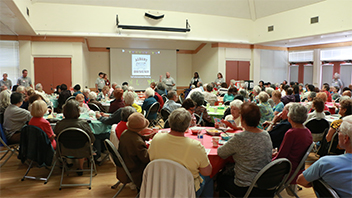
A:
(227, 123)
(52, 137)
(97, 115)
(277, 117)
(266, 124)
(146, 131)
(274, 153)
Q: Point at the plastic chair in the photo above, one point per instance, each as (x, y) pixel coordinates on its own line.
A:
(154, 108)
(36, 147)
(166, 124)
(271, 177)
(322, 189)
(9, 149)
(299, 167)
(167, 178)
(317, 128)
(93, 107)
(75, 143)
(165, 113)
(118, 161)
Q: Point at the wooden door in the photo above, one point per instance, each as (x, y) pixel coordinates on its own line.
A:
(243, 70)
(237, 70)
(231, 71)
(51, 72)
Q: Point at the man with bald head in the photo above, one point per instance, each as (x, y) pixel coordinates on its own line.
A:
(347, 93)
(168, 81)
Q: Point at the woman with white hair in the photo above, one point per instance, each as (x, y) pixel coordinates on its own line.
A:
(4, 100)
(256, 91)
(92, 96)
(336, 81)
(86, 92)
(128, 98)
(149, 100)
(235, 116)
(266, 111)
(296, 140)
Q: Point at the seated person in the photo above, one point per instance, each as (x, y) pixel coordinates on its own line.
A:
(39, 90)
(133, 149)
(347, 93)
(118, 102)
(324, 97)
(159, 99)
(234, 116)
(318, 113)
(4, 100)
(171, 104)
(103, 95)
(161, 88)
(296, 93)
(15, 118)
(326, 90)
(230, 94)
(289, 97)
(209, 96)
(255, 93)
(77, 90)
(251, 150)
(71, 114)
(186, 151)
(92, 96)
(149, 100)
(200, 110)
(266, 111)
(83, 107)
(190, 106)
(86, 92)
(107, 119)
(296, 141)
(336, 94)
(64, 94)
(223, 89)
(334, 170)
(38, 109)
(122, 125)
(128, 98)
(279, 106)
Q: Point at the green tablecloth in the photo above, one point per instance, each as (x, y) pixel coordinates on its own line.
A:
(54, 101)
(219, 113)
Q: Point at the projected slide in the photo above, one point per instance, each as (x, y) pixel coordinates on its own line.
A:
(140, 64)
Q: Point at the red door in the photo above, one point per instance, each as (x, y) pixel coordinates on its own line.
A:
(237, 70)
(51, 72)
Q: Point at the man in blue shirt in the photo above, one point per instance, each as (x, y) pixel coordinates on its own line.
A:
(335, 170)
(171, 104)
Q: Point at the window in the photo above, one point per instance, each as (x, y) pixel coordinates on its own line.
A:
(9, 60)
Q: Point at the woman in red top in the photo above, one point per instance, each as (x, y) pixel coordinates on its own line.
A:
(121, 126)
(118, 102)
(38, 110)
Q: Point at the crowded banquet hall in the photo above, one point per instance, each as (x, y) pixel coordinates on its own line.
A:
(149, 99)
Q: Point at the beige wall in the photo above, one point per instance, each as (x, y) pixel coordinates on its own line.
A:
(98, 62)
(205, 62)
(184, 69)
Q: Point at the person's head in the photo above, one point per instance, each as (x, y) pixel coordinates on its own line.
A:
(300, 86)
(199, 84)
(86, 92)
(71, 109)
(269, 91)
(58, 88)
(345, 133)
(92, 95)
(34, 97)
(250, 115)
(196, 75)
(63, 87)
(77, 87)
(239, 97)
(318, 105)
(326, 87)
(232, 82)
(21, 89)
(335, 89)
(5, 99)
(118, 93)
(345, 107)
(137, 122)
(295, 89)
(243, 92)
(232, 91)
(235, 106)
(261, 83)
(297, 113)
(105, 76)
(209, 88)
(223, 85)
(39, 87)
(347, 93)
(285, 111)
(256, 90)
(172, 95)
(180, 120)
(311, 96)
(219, 75)
(128, 98)
(149, 92)
(113, 85)
(289, 91)
(126, 112)
(311, 87)
(105, 89)
(125, 83)
(124, 87)
(24, 73)
(153, 85)
(323, 96)
(189, 105)
(38, 108)
(285, 82)
(161, 86)
(292, 83)
(167, 74)
(276, 96)
(198, 98)
(263, 97)
(80, 99)
(16, 98)
(101, 74)
(4, 76)
(29, 91)
(336, 76)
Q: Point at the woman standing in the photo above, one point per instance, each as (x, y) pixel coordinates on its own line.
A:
(107, 82)
(195, 79)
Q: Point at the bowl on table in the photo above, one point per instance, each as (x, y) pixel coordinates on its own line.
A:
(227, 136)
(213, 132)
(196, 130)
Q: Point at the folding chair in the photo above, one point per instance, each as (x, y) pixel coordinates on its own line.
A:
(166, 124)
(318, 129)
(154, 108)
(322, 189)
(70, 98)
(118, 161)
(299, 167)
(164, 98)
(157, 183)
(9, 149)
(75, 143)
(227, 103)
(199, 119)
(180, 99)
(93, 107)
(36, 147)
(271, 177)
(333, 150)
(165, 113)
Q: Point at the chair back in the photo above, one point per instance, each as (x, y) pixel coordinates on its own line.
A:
(199, 119)
(317, 126)
(93, 107)
(166, 124)
(74, 142)
(167, 178)
(322, 189)
(272, 176)
(70, 98)
(1, 117)
(227, 103)
(165, 113)
(116, 157)
(3, 139)
(327, 113)
(154, 108)
(180, 99)
(164, 97)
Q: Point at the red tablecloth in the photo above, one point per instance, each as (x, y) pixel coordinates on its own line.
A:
(331, 107)
(217, 162)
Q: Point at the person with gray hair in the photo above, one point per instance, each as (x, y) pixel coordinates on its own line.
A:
(235, 116)
(200, 110)
(128, 98)
(111, 90)
(335, 170)
(121, 126)
(4, 100)
(171, 104)
(209, 96)
(86, 92)
(92, 96)
(256, 91)
(161, 88)
(186, 151)
(149, 100)
(296, 141)
(265, 108)
(336, 81)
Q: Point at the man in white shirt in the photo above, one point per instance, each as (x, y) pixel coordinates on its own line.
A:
(168, 81)
(100, 82)
(209, 96)
(24, 80)
(171, 104)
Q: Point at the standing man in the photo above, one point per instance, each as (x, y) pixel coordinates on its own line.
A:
(169, 81)
(100, 82)
(24, 80)
(6, 82)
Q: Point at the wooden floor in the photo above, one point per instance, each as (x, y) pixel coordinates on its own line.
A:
(12, 186)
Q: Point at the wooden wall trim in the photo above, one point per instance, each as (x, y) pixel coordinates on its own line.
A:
(329, 45)
(269, 47)
(99, 49)
(199, 48)
(42, 38)
(232, 45)
(192, 51)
